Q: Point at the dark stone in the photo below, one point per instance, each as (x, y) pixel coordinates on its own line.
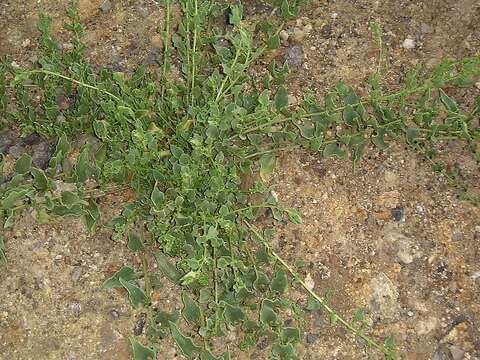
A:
(106, 6)
(397, 213)
(114, 314)
(326, 31)
(442, 352)
(311, 338)
(258, 9)
(41, 154)
(318, 318)
(7, 139)
(294, 56)
(262, 344)
(151, 58)
(17, 150)
(139, 324)
(31, 139)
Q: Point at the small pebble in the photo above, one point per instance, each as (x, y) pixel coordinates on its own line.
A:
(442, 352)
(457, 352)
(408, 44)
(106, 6)
(139, 324)
(425, 29)
(75, 308)
(298, 35)
(76, 274)
(292, 100)
(114, 314)
(457, 236)
(311, 338)
(309, 282)
(284, 35)
(397, 213)
(308, 28)
(294, 56)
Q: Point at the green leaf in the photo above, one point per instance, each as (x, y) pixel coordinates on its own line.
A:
(294, 216)
(279, 281)
(236, 14)
(92, 216)
(75, 210)
(333, 149)
(290, 335)
(333, 319)
(349, 115)
(82, 168)
(281, 98)
(157, 198)
(164, 318)
(390, 343)
(12, 197)
(359, 315)
(233, 314)
(9, 219)
(3, 256)
(262, 282)
(167, 268)
(69, 199)
(186, 345)
(40, 180)
(267, 165)
(308, 132)
(141, 352)
(273, 42)
(23, 164)
(284, 352)
(313, 304)
(191, 311)
(267, 315)
(176, 151)
(100, 128)
(63, 146)
(126, 273)
(207, 355)
(135, 294)
(378, 139)
(134, 243)
(448, 102)
(411, 135)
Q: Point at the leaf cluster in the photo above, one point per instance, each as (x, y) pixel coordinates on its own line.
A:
(183, 137)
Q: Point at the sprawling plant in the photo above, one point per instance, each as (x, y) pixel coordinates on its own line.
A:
(183, 136)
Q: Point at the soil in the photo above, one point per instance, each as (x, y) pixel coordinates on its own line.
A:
(391, 238)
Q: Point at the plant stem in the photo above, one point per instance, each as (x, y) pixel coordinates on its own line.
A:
(166, 42)
(47, 72)
(271, 150)
(194, 49)
(353, 330)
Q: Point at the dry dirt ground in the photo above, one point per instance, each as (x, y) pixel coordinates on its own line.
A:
(392, 239)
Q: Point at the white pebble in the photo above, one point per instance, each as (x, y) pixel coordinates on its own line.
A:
(309, 282)
(408, 44)
(283, 35)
